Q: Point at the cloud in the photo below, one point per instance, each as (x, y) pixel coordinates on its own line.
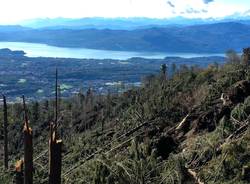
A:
(194, 11)
(170, 4)
(204, 11)
(13, 11)
(207, 1)
(247, 13)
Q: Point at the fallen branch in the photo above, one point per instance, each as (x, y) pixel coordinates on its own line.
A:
(182, 123)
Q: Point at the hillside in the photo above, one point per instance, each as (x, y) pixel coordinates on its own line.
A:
(207, 38)
(191, 127)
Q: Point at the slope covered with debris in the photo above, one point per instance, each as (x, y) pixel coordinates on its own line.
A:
(190, 127)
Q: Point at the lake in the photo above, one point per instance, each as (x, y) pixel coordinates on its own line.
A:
(43, 50)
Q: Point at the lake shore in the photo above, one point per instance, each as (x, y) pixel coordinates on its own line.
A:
(43, 50)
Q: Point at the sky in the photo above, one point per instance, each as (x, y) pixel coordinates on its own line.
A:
(14, 11)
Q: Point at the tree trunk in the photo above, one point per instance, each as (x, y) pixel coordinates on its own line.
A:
(28, 156)
(28, 148)
(5, 125)
(55, 145)
(55, 158)
(19, 172)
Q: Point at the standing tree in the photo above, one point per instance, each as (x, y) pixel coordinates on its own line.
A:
(232, 56)
(173, 69)
(246, 56)
(35, 112)
(5, 127)
(164, 71)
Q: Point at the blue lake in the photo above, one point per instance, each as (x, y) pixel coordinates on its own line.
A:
(43, 50)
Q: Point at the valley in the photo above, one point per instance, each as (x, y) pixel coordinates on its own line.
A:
(34, 76)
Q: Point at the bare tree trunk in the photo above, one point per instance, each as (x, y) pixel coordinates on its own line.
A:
(55, 160)
(55, 146)
(19, 172)
(56, 99)
(28, 149)
(102, 120)
(5, 127)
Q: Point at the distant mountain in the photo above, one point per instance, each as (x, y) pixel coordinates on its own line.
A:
(13, 28)
(99, 23)
(206, 38)
(125, 23)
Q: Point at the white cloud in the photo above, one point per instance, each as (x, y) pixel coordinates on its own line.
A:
(12, 11)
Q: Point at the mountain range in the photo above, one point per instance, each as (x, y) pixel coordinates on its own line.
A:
(125, 23)
(204, 38)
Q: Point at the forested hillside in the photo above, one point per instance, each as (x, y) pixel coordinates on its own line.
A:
(189, 127)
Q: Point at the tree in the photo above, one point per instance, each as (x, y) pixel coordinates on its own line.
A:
(164, 70)
(5, 126)
(35, 112)
(173, 68)
(232, 57)
(246, 56)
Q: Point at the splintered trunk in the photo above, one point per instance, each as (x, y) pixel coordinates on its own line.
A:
(19, 172)
(55, 157)
(28, 149)
(28, 156)
(55, 145)
(5, 127)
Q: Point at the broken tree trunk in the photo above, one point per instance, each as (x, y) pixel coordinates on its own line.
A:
(55, 157)
(19, 172)
(5, 127)
(28, 149)
(55, 146)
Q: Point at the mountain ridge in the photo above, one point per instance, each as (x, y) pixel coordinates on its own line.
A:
(206, 38)
(129, 23)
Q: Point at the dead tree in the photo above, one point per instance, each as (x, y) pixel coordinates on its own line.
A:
(164, 71)
(56, 99)
(55, 146)
(59, 98)
(5, 129)
(102, 120)
(19, 172)
(246, 56)
(55, 157)
(28, 148)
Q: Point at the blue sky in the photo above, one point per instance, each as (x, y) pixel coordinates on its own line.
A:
(13, 11)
